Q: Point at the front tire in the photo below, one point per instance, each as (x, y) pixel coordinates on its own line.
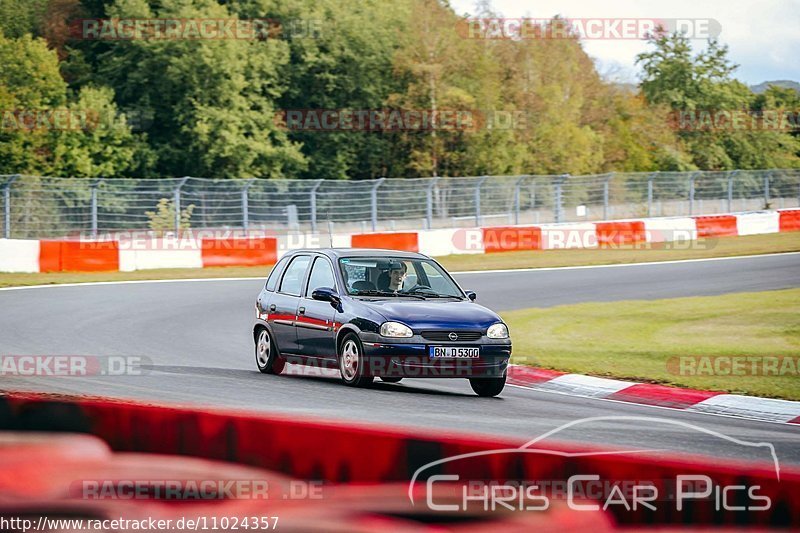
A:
(268, 359)
(351, 362)
(487, 387)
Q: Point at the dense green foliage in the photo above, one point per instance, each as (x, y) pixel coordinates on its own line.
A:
(174, 107)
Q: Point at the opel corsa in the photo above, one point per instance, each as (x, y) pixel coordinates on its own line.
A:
(377, 313)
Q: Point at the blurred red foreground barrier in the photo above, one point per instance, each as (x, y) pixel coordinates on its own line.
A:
(347, 453)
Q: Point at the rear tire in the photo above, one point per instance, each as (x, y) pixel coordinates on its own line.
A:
(351, 362)
(487, 387)
(391, 379)
(268, 359)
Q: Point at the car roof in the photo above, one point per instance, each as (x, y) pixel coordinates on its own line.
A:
(336, 253)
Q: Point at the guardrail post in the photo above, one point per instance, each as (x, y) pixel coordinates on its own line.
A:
(429, 199)
(374, 195)
(177, 202)
(246, 204)
(313, 201)
(478, 185)
(558, 200)
(517, 187)
(93, 186)
(7, 205)
(605, 195)
(650, 178)
(691, 192)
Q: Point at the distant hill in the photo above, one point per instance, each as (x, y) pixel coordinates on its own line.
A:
(761, 87)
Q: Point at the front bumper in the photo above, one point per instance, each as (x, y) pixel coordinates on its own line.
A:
(388, 359)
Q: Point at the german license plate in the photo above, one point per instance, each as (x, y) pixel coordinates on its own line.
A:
(454, 351)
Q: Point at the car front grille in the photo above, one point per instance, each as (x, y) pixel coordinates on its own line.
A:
(443, 335)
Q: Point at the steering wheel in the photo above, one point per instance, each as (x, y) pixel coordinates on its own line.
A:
(419, 286)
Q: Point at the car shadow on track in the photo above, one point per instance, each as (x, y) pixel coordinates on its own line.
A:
(332, 379)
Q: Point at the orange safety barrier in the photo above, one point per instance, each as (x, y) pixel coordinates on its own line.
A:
(789, 220)
(611, 234)
(408, 242)
(239, 252)
(78, 256)
(292, 447)
(716, 226)
(509, 238)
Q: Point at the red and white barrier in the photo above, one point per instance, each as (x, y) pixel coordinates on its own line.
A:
(752, 407)
(128, 255)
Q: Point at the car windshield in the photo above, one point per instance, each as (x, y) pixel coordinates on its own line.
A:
(397, 277)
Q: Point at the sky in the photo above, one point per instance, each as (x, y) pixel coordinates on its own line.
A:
(762, 36)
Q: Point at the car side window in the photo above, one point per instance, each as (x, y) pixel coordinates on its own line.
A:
(321, 276)
(272, 280)
(292, 282)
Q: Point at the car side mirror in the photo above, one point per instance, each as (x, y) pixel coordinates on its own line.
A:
(471, 295)
(326, 294)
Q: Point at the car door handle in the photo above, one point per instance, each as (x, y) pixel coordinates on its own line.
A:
(302, 310)
(272, 307)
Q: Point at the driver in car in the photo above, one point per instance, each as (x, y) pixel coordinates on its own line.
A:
(397, 275)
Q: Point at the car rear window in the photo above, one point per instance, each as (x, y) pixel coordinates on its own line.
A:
(275, 274)
(292, 281)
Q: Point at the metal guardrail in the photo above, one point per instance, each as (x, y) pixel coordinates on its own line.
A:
(48, 207)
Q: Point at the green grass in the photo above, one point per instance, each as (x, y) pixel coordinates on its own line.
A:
(705, 248)
(635, 339)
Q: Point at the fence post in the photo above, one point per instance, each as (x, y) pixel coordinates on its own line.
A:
(177, 202)
(246, 204)
(313, 201)
(94, 185)
(559, 197)
(7, 204)
(478, 200)
(731, 175)
(605, 195)
(691, 192)
(374, 195)
(517, 187)
(650, 178)
(429, 199)
(766, 189)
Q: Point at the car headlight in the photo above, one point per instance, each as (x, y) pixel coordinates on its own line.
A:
(497, 331)
(395, 329)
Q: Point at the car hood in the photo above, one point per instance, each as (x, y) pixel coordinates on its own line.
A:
(435, 314)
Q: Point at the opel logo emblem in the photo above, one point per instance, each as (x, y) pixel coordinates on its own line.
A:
(452, 336)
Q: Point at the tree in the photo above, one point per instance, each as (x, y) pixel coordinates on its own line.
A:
(212, 100)
(702, 85)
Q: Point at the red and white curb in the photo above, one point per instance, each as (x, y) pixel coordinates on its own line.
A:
(693, 400)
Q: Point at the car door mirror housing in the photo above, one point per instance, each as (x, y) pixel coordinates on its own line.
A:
(471, 295)
(326, 294)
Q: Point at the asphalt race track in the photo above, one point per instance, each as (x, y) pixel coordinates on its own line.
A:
(197, 336)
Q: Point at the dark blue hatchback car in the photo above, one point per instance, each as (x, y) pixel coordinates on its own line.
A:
(377, 313)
